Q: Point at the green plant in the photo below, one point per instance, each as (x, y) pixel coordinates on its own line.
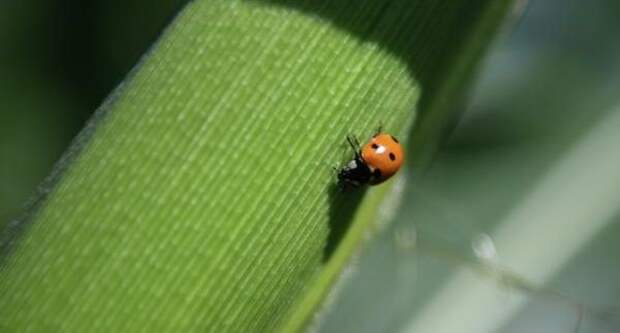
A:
(202, 195)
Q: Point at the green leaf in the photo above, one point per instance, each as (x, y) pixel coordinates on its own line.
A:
(203, 197)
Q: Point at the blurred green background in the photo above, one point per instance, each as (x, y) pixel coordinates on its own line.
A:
(58, 60)
(514, 227)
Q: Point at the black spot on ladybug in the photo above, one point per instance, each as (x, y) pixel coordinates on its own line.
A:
(376, 173)
(375, 146)
(392, 156)
(393, 138)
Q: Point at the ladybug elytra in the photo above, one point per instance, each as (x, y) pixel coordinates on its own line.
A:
(375, 162)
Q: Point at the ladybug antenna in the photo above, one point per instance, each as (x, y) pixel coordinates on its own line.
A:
(379, 129)
(355, 144)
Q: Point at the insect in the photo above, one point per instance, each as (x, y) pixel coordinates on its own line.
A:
(378, 160)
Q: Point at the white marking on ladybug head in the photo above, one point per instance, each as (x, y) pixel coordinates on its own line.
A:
(352, 164)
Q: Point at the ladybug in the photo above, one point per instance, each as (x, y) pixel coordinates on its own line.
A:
(375, 162)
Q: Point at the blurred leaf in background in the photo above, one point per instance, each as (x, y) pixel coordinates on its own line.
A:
(514, 228)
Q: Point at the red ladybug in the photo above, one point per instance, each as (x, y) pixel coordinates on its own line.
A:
(374, 163)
